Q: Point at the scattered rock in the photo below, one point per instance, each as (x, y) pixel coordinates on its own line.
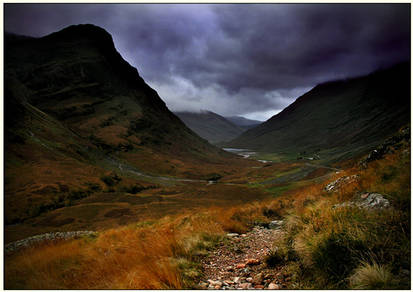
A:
(236, 263)
(251, 262)
(258, 278)
(245, 285)
(274, 286)
(215, 284)
(276, 224)
(268, 276)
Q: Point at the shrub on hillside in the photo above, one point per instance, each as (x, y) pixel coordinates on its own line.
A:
(111, 180)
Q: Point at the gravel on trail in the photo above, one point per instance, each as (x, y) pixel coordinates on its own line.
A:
(239, 262)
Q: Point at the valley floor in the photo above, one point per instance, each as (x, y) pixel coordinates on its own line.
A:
(268, 225)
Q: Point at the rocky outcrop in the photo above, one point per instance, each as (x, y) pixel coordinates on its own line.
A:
(388, 146)
(372, 201)
(335, 185)
(276, 224)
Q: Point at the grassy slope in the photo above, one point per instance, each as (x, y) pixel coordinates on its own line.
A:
(351, 115)
(75, 110)
(210, 126)
(77, 76)
(322, 248)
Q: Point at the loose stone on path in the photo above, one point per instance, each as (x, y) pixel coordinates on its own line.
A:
(239, 264)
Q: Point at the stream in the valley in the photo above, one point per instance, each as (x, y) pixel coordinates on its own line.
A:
(246, 153)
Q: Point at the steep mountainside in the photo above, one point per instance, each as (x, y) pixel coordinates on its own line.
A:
(243, 123)
(342, 117)
(210, 126)
(76, 111)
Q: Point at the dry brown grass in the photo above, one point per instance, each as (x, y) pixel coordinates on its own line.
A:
(124, 258)
(158, 255)
(330, 243)
(143, 257)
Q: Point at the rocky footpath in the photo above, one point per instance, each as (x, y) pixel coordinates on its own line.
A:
(16, 245)
(239, 263)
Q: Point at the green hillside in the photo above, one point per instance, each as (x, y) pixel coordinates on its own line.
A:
(339, 118)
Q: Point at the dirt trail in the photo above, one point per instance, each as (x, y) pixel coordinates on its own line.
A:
(239, 262)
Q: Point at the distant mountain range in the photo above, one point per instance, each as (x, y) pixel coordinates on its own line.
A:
(210, 125)
(343, 117)
(243, 123)
(213, 127)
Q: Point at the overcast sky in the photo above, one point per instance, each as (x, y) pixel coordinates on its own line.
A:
(236, 59)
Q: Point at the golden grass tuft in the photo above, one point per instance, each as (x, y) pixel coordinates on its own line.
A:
(371, 276)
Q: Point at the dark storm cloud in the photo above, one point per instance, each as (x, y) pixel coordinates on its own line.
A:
(236, 59)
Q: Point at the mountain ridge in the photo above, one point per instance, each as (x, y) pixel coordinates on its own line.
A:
(348, 113)
(243, 123)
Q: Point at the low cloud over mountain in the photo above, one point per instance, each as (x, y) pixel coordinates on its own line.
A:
(203, 56)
